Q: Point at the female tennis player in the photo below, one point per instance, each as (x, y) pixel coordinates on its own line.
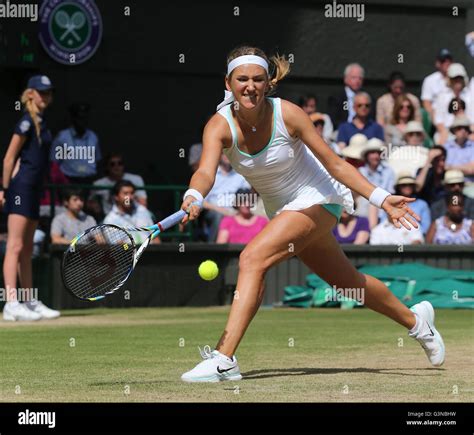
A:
(302, 182)
(24, 169)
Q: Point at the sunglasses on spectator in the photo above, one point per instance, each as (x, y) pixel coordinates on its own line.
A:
(415, 133)
(456, 184)
(116, 163)
(406, 106)
(364, 105)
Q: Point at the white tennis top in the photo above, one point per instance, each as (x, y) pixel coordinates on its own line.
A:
(285, 173)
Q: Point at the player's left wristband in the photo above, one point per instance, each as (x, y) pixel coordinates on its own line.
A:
(378, 196)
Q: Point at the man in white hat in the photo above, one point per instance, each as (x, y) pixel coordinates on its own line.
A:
(413, 155)
(375, 169)
(460, 151)
(458, 82)
(453, 183)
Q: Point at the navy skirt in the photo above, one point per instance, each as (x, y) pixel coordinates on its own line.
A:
(23, 199)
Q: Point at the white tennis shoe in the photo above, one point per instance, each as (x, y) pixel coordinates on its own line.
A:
(216, 367)
(38, 307)
(15, 311)
(427, 335)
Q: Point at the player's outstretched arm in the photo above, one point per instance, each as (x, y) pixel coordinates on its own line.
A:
(299, 125)
(214, 137)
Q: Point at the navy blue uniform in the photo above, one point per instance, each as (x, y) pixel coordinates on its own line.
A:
(24, 192)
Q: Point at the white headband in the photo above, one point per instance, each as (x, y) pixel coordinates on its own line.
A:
(241, 60)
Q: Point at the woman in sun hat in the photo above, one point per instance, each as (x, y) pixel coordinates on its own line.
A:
(302, 182)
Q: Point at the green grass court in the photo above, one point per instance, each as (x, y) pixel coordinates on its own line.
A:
(318, 355)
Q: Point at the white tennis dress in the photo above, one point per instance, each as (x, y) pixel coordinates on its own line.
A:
(285, 173)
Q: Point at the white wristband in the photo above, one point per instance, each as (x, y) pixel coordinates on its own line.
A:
(378, 196)
(195, 193)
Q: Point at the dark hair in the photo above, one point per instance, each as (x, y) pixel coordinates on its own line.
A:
(68, 193)
(79, 108)
(240, 192)
(451, 195)
(120, 184)
(396, 75)
(303, 101)
(442, 148)
(456, 101)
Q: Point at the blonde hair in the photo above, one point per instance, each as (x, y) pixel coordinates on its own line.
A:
(279, 67)
(32, 109)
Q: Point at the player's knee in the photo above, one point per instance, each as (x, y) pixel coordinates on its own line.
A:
(251, 259)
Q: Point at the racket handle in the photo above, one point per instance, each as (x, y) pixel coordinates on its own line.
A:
(172, 220)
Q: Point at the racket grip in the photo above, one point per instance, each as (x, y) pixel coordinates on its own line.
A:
(172, 220)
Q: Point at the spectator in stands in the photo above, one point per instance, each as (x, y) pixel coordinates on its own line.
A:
(341, 106)
(470, 43)
(244, 226)
(406, 186)
(361, 122)
(460, 151)
(353, 152)
(429, 178)
(386, 103)
(413, 155)
(115, 171)
(76, 149)
(434, 84)
(386, 233)
(127, 212)
(73, 221)
(402, 113)
(375, 169)
(219, 202)
(319, 121)
(453, 183)
(457, 88)
(452, 228)
(308, 104)
(195, 152)
(352, 229)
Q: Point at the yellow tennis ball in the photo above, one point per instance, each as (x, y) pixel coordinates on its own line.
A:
(208, 270)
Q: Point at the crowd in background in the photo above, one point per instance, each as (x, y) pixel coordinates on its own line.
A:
(419, 147)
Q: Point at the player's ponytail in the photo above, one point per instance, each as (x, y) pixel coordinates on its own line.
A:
(32, 109)
(281, 70)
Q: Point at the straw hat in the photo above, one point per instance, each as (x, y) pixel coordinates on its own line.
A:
(373, 144)
(357, 144)
(414, 127)
(453, 176)
(460, 121)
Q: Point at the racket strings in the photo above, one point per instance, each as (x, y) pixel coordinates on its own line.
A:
(99, 262)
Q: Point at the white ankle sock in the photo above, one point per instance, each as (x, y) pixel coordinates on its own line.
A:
(415, 329)
(12, 304)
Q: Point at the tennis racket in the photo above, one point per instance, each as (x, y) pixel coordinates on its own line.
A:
(100, 260)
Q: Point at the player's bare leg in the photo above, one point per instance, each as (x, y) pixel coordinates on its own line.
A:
(286, 235)
(325, 257)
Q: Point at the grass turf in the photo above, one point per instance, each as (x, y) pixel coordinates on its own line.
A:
(319, 355)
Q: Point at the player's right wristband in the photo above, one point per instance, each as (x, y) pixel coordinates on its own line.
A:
(378, 196)
(195, 193)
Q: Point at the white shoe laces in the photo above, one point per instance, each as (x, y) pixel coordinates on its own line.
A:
(206, 352)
